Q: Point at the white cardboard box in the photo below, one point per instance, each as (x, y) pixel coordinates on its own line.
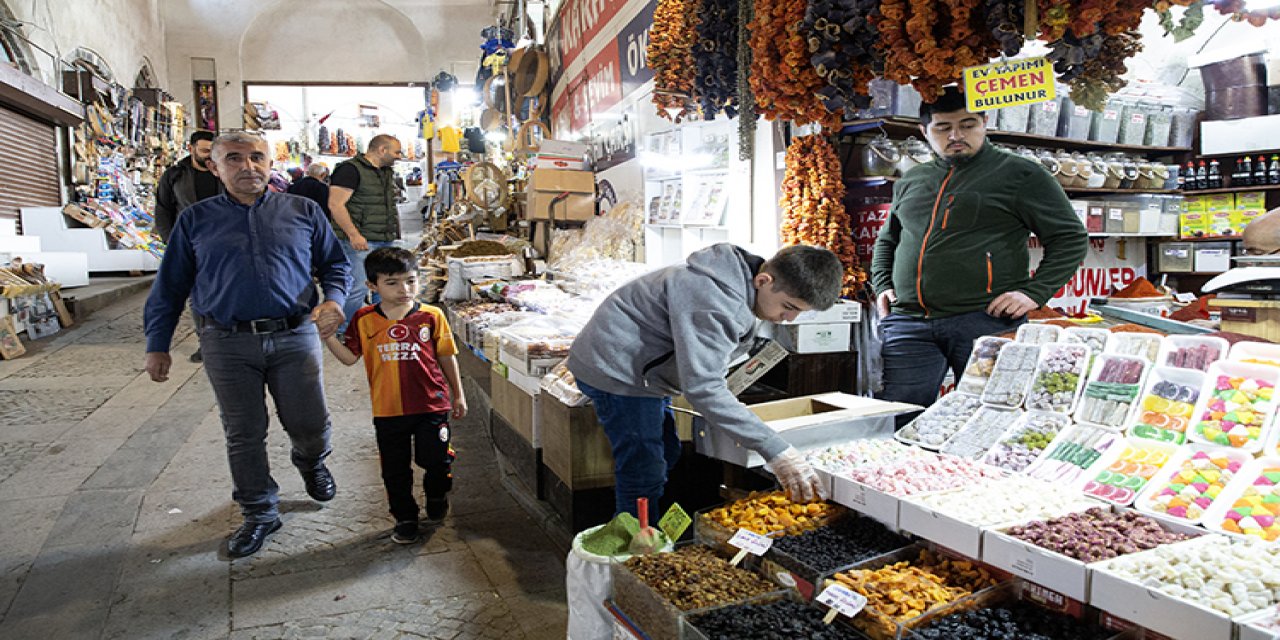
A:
(1230, 137)
(868, 501)
(814, 338)
(805, 422)
(841, 311)
(535, 367)
(959, 536)
(1155, 610)
(1246, 630)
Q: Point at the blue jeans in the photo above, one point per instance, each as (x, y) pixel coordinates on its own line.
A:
(358, 290)
(918, 351)
(242, 367)
(642, 434)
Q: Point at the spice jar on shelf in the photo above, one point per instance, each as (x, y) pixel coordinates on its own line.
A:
(880, 157)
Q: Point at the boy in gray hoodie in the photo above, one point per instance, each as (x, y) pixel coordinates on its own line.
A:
(675, 331)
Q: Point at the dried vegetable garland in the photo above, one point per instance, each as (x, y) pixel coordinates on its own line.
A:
(671, 56)
(1005, 20)
(813, 210)
(785, 84)
(1191, 20)
(930, 42)
(1094, 39)
(715, 57)
(746, 99)
(842, 44)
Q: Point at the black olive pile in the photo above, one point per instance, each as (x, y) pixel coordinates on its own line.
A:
(1017, 621)
(715, 56)
(781, 620)
(840, 544)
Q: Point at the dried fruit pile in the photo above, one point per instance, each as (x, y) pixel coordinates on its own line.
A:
(813, 211)
(670, 55)
(1005, 19)
(783, 80)
(929, 42)
(842, 41)
(746, 99)
(715, 56)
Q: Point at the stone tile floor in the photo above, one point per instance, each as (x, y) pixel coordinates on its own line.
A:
(115, 499)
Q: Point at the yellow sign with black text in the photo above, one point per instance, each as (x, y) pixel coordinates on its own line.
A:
(1009, 83)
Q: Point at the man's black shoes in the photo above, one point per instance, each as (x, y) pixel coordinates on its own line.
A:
(320, 485)
(248, 539)
(437, 509)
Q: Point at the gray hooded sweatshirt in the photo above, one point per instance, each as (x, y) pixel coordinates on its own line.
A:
(675, 331)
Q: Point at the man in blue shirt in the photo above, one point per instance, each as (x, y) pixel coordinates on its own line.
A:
(246, 259)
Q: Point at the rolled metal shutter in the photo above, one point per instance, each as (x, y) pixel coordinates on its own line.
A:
(28, 164)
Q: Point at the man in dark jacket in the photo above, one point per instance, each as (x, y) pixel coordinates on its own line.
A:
(951, 263)
(314, 185)
(187, 182)
(362, 206)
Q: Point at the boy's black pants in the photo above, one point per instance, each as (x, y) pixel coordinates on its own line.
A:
(422, 438)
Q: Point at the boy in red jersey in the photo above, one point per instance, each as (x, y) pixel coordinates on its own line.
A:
(408, 355)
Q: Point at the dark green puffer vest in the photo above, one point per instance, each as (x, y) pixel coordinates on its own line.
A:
(373, 205)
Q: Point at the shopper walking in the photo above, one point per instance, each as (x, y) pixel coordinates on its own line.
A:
(185, 183)
(246, 259)
(408, 353)
(951, 262)
(314, 185)
(362, 202)
(675, 331)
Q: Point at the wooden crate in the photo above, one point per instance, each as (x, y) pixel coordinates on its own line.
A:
(525, 461)
(1259, 318)
(574, 446)
(579, 509)
(515, 406)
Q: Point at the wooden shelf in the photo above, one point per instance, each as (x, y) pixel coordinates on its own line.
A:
(901, 124)
(1200, 192)
(1217, 239)
(1087, 190)
(1103, 234)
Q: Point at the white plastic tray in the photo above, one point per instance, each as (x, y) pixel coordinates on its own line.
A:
(1112, 463)
(1016, 429)
(1081, 415)
(1087, 336)
(1073, 455)
(1147, 498)
(1185, 377)
(1235, 369)
(1080, 354)
(1249, 350)
(1140, 345)
(1216, 513)
(1020, 379)
(951, 401)
(971, 381)
(1174, 342)
(980, 432)
(1038, 334)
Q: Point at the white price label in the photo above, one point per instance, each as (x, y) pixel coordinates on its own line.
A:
(1185, 297)
(1115, 214)
(751, 542)
(842, 599)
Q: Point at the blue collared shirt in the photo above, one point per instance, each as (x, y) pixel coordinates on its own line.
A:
(244, 262)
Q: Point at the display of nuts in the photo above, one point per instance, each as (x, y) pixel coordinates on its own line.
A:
(694, 577)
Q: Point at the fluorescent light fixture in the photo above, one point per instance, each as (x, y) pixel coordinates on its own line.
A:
(687, 162)
(496, 136)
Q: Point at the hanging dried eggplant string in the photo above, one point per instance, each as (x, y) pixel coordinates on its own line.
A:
(1093, 64)
(746, 99)
(716, 60)
(671, 57)
(1005, 19)
(1186, 27)
(813, 211)
(784, 83)
(930, 42)
(842, 47)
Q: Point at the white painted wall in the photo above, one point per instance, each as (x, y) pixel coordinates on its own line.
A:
(125, 33)
(316, 41)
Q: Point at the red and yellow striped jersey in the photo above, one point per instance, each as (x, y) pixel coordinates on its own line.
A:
(400, 358)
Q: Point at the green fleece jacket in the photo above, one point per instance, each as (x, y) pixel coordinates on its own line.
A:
(957, 235)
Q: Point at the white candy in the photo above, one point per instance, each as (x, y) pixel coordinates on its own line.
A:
(1229, 575)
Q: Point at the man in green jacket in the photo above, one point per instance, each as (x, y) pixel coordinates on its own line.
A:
(951, 263)
(362, 202)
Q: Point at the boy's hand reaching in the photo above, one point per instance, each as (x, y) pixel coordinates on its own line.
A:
(459, 408)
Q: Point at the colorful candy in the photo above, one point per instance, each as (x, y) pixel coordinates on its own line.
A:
(1165, 411)
(1114, 388)
(1073, 453)
(940, 421)
(842, 458)
(1121, 481)
(1193, 357)
(936, 473)
(1235, 412)
(1057, 377)
(1026, 441)
(1255, 512)
(981, 362)
(1194, 487)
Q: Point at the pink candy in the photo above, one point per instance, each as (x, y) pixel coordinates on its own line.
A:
(927, 474)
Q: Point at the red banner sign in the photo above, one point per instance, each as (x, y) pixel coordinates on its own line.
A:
(577, 23)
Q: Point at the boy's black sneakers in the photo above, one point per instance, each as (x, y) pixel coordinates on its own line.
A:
(437, 509)
(405, 532)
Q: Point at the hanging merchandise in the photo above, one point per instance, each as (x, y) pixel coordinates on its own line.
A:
(1089, 42)
(813, 206)
(1236, 9)
(929, 52)
(475, 139)
(784, 83)
(343, 145)
(1005, 19)
(746, 99)
(842, 40)
(670, 56)
(426, 125)
(450, 139)
(1191, 20)
(281, 151)
(715, 58)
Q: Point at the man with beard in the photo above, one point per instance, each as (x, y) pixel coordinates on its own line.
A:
(246, 260)
(362, 203)
(187, 182)
(951, 263)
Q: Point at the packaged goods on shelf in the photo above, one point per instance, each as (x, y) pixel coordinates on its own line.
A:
(559, 382)
(1095, 339)
(1145, 346)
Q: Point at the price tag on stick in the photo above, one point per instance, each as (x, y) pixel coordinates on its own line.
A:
(674, 522)
(842, 600)
(749, 542)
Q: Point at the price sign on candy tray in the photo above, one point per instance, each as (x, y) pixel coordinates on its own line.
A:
(842, 600)
(749, 542)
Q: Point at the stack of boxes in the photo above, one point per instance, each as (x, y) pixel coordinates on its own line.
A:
(1219, 215)
(828, 331)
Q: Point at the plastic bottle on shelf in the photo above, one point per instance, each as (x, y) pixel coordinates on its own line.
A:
(1202, 176)
(1273, 174)
(1246, 173)
(1215, 175)
(1188, 177)
(1260, 172)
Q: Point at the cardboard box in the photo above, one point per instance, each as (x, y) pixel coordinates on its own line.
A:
(1242, 218)
(1251, 200)
(841, 311)
(868, 501)
(959, 536)
(545, 185)
(1213, 257)
(518, 407)
(528, 366)
(1246, 629)
(561, 154)
(814, 338)
(1194, 204)
(574, 446)
(805, 422)
(1155, 610)
(1220, 223)
(1193, 225)
(1219, 202)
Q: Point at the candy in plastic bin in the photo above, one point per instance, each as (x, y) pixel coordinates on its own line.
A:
(1193, 488)
(938, 422)
(1165, 411)
(1095, 339)
(981, 432)
(1012, 375)
(1057, 377)
(981, 362)
(1256, 511)
(1038, 334)
(1026, 441)
(1109, 396)
(1121, 481)
(1140, 345)
(1235, 412)
(1072, 454)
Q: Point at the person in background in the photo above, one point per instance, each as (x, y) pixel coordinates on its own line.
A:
(675, 331)
(362, 202)
(408, 353)
(314, 185)
(187, 182)
(246, 260)
(951, 263)
(295, 174)
(1261, 237)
